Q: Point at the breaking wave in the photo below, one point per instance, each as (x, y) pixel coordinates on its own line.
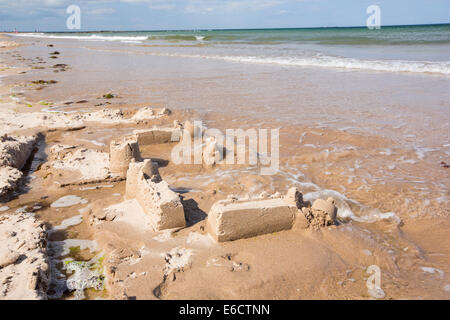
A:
(324, 61)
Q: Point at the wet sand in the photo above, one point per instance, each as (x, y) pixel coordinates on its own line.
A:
(381, 163)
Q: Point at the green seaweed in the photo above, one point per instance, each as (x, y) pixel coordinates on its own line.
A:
(108, 96)
(74, 250)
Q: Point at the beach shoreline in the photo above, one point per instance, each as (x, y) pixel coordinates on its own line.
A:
(409, 245)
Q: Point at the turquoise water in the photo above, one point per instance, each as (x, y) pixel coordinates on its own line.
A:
(418, 49)
(394, 35)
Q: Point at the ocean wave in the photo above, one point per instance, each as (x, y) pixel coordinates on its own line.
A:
(179, 37)
(124, 39)
(336, 63)
(91, 37)
(351, 63)
(130, 38)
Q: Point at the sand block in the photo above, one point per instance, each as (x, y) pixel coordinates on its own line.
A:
(158, 201)
(157, 136)
(121, 154)
(233, 220)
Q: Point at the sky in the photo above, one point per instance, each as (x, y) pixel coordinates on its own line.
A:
(123, 15)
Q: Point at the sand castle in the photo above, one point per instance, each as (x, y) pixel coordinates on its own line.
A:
(227, 220)
(143, 181)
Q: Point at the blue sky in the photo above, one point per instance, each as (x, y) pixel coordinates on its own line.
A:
(50, 15)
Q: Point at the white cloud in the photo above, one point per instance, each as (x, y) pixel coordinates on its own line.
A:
(205, 6)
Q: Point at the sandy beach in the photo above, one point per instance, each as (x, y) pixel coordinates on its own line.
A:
(76, 116)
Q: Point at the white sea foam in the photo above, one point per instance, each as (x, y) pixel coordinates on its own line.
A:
(366, 214)
(92, 37)
(324, 61)
(348, 63)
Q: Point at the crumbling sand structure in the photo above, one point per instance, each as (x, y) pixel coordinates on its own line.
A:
(230, 220)
(14, 153)
(24, 269)
(136, 170)
(121, 153)
(322, 213)
(155, 197)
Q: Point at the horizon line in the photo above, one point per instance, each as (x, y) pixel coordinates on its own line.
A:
(233, 29)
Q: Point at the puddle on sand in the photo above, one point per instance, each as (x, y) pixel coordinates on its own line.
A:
(70, 222)
(68, 201)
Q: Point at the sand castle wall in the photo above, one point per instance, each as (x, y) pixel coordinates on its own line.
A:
(229, 221)
(160, 203)
(157, 136)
